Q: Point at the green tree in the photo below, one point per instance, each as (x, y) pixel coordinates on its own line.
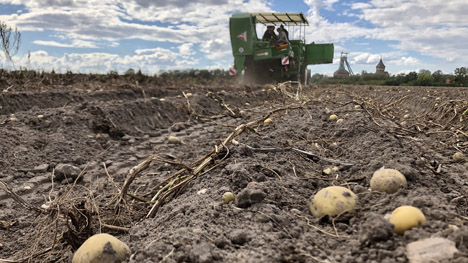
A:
(461, 76)
(439, 77)
(425, 79)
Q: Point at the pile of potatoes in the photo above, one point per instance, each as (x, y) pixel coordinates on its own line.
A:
(336, 200)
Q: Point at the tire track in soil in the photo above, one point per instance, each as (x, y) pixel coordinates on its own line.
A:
(139, 147)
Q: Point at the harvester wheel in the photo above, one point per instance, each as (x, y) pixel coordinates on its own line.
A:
(302, 75)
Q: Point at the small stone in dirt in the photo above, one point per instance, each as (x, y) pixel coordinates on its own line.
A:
(41, 168)
(201, 253)
(249, 196)
(102, 248)
(63, 171)
(459, 157)
(239, 237)
(376, 228)
(4, 224)
(221, 242)
(430, 250)
(177, 127)
(202, 191)
(295, 211)
(126, 137)
(102, 137)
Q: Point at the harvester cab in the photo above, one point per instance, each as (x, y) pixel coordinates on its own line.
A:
(259, 60)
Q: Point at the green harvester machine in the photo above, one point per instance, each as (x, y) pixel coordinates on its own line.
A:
(261, 61)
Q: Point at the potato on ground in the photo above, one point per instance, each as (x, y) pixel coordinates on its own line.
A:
(387, 180)
(406, 217)
(102, 248)
(332, 201)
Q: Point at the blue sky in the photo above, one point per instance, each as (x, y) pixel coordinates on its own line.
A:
(103, 35)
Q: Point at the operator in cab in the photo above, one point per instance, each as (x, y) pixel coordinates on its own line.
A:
(285, 31)
(270, 35)
(282, 37)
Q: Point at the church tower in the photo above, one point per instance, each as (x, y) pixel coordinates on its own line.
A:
(380, 68)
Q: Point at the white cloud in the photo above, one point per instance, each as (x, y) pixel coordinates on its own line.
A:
(186, 21)
(433, 28)
(405, 61)
(75, 44)
(148, 60)
(186, 49)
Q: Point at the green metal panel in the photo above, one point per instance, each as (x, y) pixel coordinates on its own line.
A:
(319, 53)
(243, 34)
(261, 54)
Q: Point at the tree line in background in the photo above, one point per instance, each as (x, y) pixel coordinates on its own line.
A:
(422, 78)
(10, 39)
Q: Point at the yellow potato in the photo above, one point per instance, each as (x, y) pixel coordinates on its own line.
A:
(406, 217)
(266, 121)
(174, 140)
(458, 157)
(387, 180)
(228, 197)
(102, 248)
(332, 201)
(333, 117)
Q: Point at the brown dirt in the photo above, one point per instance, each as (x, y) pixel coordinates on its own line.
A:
(106, 128)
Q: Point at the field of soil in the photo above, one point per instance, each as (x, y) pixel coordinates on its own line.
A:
(148, 162)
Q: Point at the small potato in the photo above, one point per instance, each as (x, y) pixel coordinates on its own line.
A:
(339, 121)
(174, 140)
(332, 201)
(333, 117)
(459, 157)
(266, 121)
(228, 197)
(387, 180)
(406, 217)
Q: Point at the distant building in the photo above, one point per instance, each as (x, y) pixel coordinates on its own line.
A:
(342, 72)
(380, 68)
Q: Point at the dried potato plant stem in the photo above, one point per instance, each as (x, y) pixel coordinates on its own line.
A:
(18, 198)
(174, 183)
(309, 154)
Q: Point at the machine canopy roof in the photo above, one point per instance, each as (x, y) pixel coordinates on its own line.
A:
(281, 18)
